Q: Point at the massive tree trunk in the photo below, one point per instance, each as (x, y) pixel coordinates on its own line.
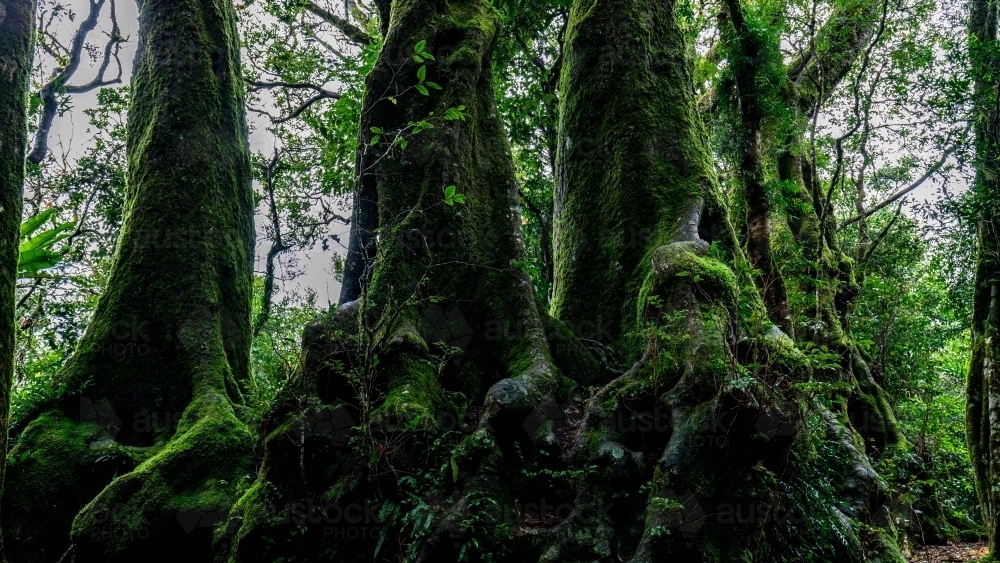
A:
(144, 437)
(631, 171)
(17, 28)
(445, 323)
(984, 383)
(636, 108)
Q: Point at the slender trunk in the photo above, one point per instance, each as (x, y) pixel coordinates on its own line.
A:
(749, 58)
(983, 397)
(17, 28)
(144, 432)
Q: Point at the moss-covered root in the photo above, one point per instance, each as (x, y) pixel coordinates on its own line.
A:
(17, 25)
(64, 460)
(171, 332)
(302, 450)
(172, 502)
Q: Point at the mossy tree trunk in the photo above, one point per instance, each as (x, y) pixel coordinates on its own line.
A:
(631, 169)
(145, 432)
(643, 253)
(982, 416)
(831, 286)
(444, 306)
(636, 109)
(17, 29)
(753, 60)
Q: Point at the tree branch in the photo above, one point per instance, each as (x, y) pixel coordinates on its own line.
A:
(353, 33)
(321, 94)
(277, 247)
(57, 84)
(882, 234)
(850, 26)
(110, 50)
(895, 197)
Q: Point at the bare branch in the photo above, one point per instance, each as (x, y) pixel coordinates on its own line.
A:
(306, 104)
(895, 197)
(258, 86)
(353, 33)
(277, 245)
(112, 49)
(883, 234)
(57, 84)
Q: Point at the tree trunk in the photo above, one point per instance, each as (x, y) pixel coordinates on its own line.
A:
(983, 396)
(632, 169)
(144, 438)
(445, 323)
(752, 59)
(637, 109)
(17, 28)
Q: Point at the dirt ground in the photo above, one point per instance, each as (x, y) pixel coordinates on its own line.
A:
(949, 553)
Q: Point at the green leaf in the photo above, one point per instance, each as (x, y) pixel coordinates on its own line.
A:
(403, 143)
(419, 47)
(422, 89)
(454, 470)
(47, 238)
(422, 73)
(427, 56)
(417, 58)
(376, 130)
(433, 85)
(460, 198)
(33, 223)
(38, 259)
(375, 139)
(449, 202)
(449, 192)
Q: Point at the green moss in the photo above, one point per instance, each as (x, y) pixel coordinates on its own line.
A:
(197, 473)
(64, 462)
(688, 260)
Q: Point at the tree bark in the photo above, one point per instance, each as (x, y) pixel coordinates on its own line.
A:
(983, 391)
(632, 168)
(145, 432)
(17, 28)
(750, 66)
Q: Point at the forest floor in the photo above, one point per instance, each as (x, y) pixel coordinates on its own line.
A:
(949, 553)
